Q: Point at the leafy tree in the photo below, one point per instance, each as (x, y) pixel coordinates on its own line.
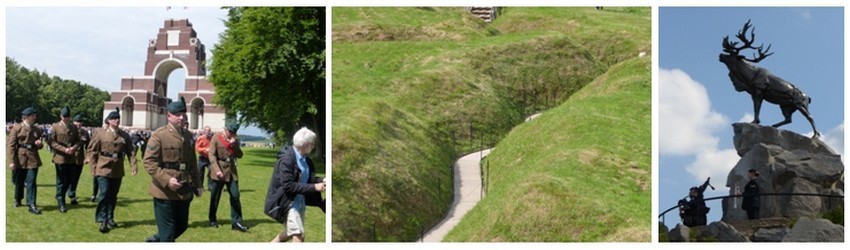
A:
(269, 69)
(25, 88)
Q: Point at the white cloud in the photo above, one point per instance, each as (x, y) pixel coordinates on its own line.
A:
(714, 163)
(746, 118)
(686, 119)
(98, 45)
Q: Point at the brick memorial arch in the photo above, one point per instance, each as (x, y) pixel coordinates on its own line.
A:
(143, 100)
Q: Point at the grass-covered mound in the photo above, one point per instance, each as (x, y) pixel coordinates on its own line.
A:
(414, 88)
(580, 172)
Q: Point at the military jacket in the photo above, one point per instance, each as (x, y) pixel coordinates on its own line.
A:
(222, 160)
(65, 136)
(21, 148)
(107, 151)
(80, 155)
(170, 154)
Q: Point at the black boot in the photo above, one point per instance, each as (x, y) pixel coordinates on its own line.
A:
(34, 210)
(104, 228)
(239, 227)
(112, 224)
(74, 201)
(62, 208)
(17, 204)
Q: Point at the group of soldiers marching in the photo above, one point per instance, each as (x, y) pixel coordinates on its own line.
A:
(168, 157)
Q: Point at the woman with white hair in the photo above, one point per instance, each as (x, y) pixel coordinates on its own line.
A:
(293, 186)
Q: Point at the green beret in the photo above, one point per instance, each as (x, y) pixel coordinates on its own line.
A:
(78, 118)
(177, 107)
(114, 114)
(231, 124)
(65, 112)
(28, 111)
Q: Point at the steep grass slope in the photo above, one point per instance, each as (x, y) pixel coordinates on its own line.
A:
(580, 172)
(413, 88)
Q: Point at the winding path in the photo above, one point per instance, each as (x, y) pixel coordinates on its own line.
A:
(467, 193)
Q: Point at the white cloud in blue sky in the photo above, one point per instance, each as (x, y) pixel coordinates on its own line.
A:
(686, 116)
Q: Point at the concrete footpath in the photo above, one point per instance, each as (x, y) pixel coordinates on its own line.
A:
(467, 193)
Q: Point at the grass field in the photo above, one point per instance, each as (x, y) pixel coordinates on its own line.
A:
(414, 88)
(580, 172)
(134, 213)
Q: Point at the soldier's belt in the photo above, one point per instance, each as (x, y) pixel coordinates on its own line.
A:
(27, 146)
(180, 166)
(227, 159)
(112, 155)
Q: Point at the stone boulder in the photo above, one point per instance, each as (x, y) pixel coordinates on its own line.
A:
(788, 163)
(815, 230)
(770, 234)
(722, 232)
(680, 233)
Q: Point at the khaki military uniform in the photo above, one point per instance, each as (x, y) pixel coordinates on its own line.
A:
(22, 151)
(107, 151)
(64, 136)
(170, 154)
(222, 160)
(21, 148)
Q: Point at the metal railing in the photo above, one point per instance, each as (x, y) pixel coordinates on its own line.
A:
(662, 215)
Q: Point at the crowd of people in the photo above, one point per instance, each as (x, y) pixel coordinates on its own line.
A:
(178, 161)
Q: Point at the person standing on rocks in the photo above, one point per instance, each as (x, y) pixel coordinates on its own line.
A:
(751, 196)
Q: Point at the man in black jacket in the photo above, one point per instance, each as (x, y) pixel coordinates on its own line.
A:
(694, 211)
(293, 186)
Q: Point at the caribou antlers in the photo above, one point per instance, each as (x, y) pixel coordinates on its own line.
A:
(747, 44)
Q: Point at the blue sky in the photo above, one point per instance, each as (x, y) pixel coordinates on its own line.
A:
(698, 103)
(99, 45)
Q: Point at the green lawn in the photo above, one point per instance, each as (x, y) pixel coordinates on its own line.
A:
(416, 87)
(134, 213)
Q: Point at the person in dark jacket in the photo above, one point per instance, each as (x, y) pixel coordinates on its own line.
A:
(751, 201)
(694, 211)
(293, 186)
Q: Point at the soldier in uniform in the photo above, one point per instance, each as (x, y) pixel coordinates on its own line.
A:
(80, 157)
(22, 145)
(65, 142)
(107, 151)
(223, 151)
(170, 161)
(94, 188)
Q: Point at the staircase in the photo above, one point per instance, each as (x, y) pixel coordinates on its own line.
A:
(487, 13)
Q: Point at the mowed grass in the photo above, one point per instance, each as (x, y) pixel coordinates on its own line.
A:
(580, 172)
(414, 88)
(134, 213)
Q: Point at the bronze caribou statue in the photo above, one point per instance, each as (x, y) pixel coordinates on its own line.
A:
(760, 83)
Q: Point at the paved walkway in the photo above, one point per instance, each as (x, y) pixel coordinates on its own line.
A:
(467, 190)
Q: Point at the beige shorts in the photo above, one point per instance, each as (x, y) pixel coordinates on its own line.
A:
(294, 223)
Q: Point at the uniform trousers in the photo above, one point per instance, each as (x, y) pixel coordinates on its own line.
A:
(26, 178)
(172, 218)
(235, 204)
(107, 198)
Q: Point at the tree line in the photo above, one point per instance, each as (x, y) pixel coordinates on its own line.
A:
(269, 69)
(48, 94)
